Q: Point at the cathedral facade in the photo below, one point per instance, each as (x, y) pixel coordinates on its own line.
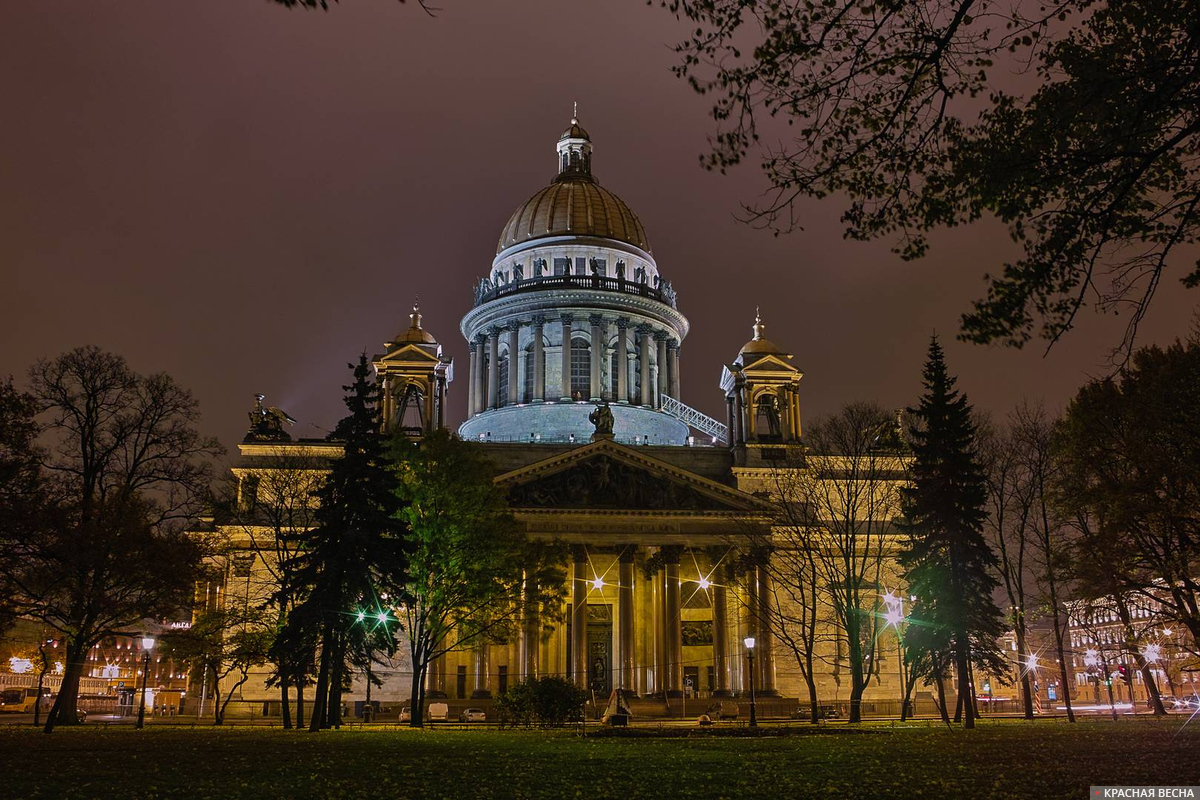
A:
(573, 392)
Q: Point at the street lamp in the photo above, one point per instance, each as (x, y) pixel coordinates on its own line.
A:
(749, 642)
(147, 646)
(894, 616)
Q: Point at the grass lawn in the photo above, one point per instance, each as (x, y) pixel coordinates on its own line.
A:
(1000, 759)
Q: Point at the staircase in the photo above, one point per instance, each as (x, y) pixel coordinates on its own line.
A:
(695, 419)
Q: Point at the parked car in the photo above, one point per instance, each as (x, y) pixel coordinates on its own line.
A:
(723, 709)
(472, 715)
(406, 714)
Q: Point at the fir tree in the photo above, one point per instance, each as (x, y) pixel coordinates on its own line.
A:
(355, 555)
(946, 560)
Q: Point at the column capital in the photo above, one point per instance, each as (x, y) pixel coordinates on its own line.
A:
(579, 553)
(481, 338)
(471, 345)
(623, 323)
(513, 326)
(566, 319)
(672, 344)
(660, 336)
(671, 553)
(645, 329)
(539, 320)
(596, 319)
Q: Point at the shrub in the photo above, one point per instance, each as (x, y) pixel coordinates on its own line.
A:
(549, 702)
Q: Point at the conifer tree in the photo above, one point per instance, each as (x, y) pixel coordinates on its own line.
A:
(946, 560)
(354, 556)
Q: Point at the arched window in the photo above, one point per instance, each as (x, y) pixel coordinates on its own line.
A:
(766, 421)
(581, 368)
(614, 369)
(502, 381)
(527, 375)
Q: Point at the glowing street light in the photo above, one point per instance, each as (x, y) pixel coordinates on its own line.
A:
(1091, 658)
(1031, 662)
(147, 646)
(598, 583)
(361, 616)
(704, 584)
(1151, 653)
(749, 642)
(382, 616)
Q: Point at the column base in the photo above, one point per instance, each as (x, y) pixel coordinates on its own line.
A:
(436, 695)
(481, 694)
(722, 693)
(674, 694)
(767, 693)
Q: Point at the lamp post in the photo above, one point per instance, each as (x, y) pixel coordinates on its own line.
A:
(749, 642)
(894, 616)
(147, 646)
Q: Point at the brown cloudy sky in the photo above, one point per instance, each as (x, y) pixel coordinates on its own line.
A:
(247, 196)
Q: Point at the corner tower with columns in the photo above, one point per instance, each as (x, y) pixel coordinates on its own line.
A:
(415, 378)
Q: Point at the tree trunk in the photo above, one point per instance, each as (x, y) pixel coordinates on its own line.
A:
(814, 712)
(65, 708)
(940, 680)
(337, 677)
(300, 705)
(856, 693)
(958, 705)
(1062, 654)
(417, 713)
(857, 684)
(962, 653)
(321, 693)
(285, 705)
(1026, 689)
(905, 704)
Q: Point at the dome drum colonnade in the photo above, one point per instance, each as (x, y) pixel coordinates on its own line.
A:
(574, 311)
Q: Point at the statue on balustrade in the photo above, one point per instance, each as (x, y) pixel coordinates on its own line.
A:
(539, 267)
(602, 419)
(518, 272)
(266, 423)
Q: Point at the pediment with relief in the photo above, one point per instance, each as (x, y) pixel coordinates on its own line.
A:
(606, 479)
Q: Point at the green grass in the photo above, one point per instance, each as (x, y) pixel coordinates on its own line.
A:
(1041, 760)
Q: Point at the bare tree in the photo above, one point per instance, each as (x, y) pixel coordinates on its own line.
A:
(128, 467)
(834, 532)
(1009, 530)
(1032, 435)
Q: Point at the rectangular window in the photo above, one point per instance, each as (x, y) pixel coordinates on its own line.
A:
(502, 676)
(581, 266)
(561, 265)
(460, 680)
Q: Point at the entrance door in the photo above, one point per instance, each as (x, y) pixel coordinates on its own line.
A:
(600, 630)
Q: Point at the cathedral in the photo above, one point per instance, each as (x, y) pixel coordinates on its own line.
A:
(574, 393)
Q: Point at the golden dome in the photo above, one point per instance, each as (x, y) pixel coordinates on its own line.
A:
(760, 345)
(574, 206)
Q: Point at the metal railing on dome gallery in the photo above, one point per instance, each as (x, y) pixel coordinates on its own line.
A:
(664, 293)
(635, 441)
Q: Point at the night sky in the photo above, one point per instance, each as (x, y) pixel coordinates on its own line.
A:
(247, 196)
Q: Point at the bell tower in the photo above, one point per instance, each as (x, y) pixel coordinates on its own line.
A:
(762, 399)
(415, 377)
